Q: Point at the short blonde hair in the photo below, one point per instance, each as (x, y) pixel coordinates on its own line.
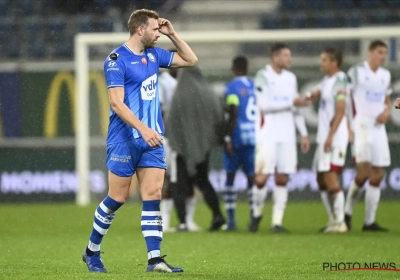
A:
(140, 18)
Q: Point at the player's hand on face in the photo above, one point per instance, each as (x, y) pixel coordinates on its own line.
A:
(165, 27)
(383, 117)
(152, 138)
(229, 148)
(397, 103)
(305, 144)
(328, 144)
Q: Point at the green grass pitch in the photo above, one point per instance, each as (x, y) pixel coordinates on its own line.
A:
(46, 241)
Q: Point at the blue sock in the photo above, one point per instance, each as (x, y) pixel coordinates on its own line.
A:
(103, 218)
(152, 227)
(230, 204)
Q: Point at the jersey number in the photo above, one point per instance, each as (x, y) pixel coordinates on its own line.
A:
(251, 109)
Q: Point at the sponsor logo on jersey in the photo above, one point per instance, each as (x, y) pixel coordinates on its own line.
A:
(151, 57)
(144, 61)
(148, 88)
(112, 64)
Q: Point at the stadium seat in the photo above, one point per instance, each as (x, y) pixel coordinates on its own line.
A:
(105, 25)
(371, 3)
(270, 22)
(316, 4)
(291, 5)
(11, 47)
(299, 20)
(26, 7)
(4, 5)
(37, 48)
(56, 26)
(8, 27)
(84, 24)
(344, 4)
(326, 20)
(394, 3)
(379, 17)
(350, 19)
(63, 48)
(32, 26)
(100, 6)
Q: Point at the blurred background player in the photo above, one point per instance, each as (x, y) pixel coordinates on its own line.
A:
(239, 139)
(371, 90)
(167, 84)
(276, 150)
(332, 137)
(194, 128)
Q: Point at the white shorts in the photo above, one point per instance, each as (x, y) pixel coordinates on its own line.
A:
(329, 161)
(371, 145)
(279, 157)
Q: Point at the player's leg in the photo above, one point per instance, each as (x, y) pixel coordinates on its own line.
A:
(121, 168)
(151, 173)
(380, 159)
(279, 201)
(190, 210)
(209, 194)
(166, 198)
(264, 166)
(362, 156)
(247, 162)
(323, 190)
(286, 164)
(231, 163)
(331, 168)
(180, 183)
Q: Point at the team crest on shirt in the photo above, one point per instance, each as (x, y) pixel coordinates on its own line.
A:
(151, 57)
(144, 60)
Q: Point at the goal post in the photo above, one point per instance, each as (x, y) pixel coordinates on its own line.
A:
(84, 40)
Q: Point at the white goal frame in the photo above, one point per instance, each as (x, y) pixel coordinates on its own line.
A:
(84, 40)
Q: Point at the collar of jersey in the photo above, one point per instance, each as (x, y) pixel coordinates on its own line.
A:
(129, 49)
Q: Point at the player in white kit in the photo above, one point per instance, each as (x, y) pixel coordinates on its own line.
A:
(371, 89)
(332, 137)
(276, 150)
(167, 84)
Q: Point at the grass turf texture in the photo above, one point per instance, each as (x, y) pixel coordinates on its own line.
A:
(46, 241)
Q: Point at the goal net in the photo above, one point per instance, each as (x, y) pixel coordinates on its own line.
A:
(215, 49)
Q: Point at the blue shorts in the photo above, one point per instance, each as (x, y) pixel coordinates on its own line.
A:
(124, 158)
(244, 157)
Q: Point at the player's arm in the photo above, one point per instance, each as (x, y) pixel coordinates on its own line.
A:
(185, 56)
(232, 101)
(116, 97)
(383, 118)
(339, 114)
(300, 123)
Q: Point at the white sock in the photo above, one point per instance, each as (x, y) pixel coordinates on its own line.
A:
(372, 197)
(337, 202)
(279, 197)
(258, 200)
(353, 194)
(325, 201)
(190, 209)
(166, 208)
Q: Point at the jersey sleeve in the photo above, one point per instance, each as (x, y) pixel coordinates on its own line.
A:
(164, 57)
(114, 70)
(340, 87)
(231, 98)
(352, 76)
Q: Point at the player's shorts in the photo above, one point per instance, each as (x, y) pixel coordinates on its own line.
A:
(330, 161)
(280, 157)
(371, 144)
(243, 157)
(124, 158)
